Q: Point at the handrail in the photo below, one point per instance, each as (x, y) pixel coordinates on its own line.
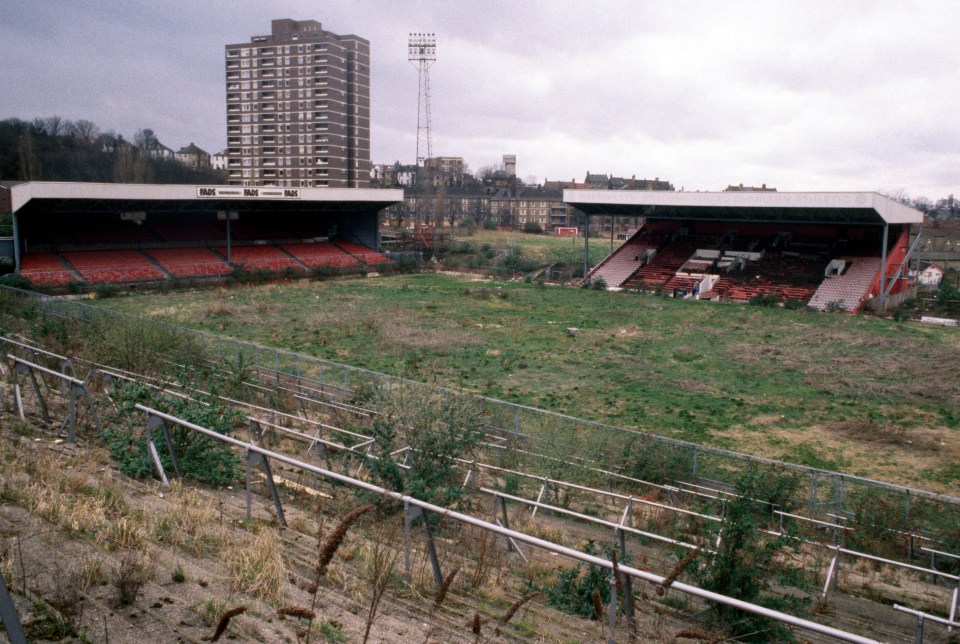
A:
(571, 553)
(920, 493)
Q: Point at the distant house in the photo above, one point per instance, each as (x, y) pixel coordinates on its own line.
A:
(218, 161)
(193, 157)
(158, 150)
(610, 182)
(742, 188)
(930, 276)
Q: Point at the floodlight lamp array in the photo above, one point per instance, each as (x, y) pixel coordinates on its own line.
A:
(422, 47)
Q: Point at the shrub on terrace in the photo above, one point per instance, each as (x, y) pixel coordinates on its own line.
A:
(435, 428)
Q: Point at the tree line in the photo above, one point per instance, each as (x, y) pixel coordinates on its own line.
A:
(58, 149)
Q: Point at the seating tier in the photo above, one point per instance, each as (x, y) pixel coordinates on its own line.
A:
(113, 266)
(190, 262)
(319, 254)
(45, 269)
(366, 255)
(258, 258)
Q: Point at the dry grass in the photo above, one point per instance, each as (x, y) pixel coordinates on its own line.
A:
(257, 567)
(869, 431)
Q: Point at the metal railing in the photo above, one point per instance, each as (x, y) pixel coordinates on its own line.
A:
(515, 536)
(552, 433)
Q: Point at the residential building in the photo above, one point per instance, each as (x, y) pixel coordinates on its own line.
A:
(610, 182)
(218, 161)
(447, 171)
(193, 157)
(158, 150)
(743, 188)
(298, 108)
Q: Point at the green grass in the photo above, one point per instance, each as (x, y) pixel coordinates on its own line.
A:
(871, 395)
(472, 250)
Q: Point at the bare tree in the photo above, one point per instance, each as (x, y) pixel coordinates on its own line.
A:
(29, 159)
(487, 171)
(86, 130)
(145, 139)
(52, 125)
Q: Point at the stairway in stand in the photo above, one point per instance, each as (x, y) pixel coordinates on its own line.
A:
(847, 290)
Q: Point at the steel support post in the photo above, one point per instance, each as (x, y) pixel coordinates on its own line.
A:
(883, 267)
(612, 608)
(953, 606)
(258, 458)
(411, 514)
(152, 423)
(586, 245)
(8, 613)
(16, 243)
(19, 368)
(626, 579)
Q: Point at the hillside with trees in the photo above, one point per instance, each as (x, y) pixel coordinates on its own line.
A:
(57, 149)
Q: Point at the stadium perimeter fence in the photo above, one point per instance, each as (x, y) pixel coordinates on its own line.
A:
(555, 445)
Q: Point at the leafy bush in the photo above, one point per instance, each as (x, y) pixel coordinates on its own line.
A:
(835, 306)
(656, 461)
(516, 262)
(105, 291)
(747, 563)
(15, 281)
(572, 592)
(879, 518)
(433, 426)
(599, 283)
(141, 345)
(200, 457)
(489, 224)
(765, 299)
(533, 227)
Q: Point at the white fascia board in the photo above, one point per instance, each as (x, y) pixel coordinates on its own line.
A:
(892, 212)
(24, 192)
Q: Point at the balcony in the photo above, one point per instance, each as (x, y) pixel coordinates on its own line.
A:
(233, 140)
(233, 64)
(233, 108)
(233, 129)
(233, 97)
(233, 75)
(233, 53)
(233, 163)
(233, 86)
(233, 119)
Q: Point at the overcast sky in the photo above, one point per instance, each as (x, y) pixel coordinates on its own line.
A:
(810, 95)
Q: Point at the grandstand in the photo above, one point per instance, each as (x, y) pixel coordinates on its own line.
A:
(130, 233)
(824, 250)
